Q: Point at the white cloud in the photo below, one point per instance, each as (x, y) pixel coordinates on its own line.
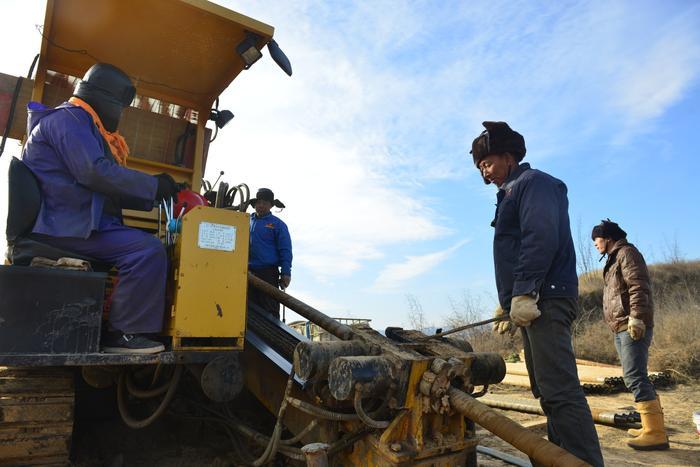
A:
(662, 74)
(394, 275)
(386, 98)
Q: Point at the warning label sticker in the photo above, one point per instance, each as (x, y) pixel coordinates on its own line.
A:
(216, 236)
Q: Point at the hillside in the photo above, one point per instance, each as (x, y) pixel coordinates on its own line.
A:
(676, 294)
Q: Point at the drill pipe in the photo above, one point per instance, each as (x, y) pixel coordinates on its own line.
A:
(600, 416)
(539, 449)
(339, 330)
(312, 359)
(464, 328)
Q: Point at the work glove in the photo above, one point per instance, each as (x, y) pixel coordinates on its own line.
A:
(636, 328)
(284, 281)
(523, 310)
(167, 187)
(504, 326)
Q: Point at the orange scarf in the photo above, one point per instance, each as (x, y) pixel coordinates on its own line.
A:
(117, 143)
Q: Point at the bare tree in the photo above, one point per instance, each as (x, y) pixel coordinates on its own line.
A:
(469, 309)
(584, 256)
(416, 317)
(672, 251)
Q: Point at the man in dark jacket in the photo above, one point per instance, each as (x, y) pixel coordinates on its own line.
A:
(629, 311)
(270, 256)
(79, 159)
(537, 285)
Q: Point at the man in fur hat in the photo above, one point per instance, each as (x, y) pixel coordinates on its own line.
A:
(270, 255)
(535, 267)
(629, 312)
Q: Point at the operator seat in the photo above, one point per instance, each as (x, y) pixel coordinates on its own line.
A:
(24, 201)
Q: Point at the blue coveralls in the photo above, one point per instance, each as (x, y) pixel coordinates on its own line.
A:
(534, 255)
(83, 190)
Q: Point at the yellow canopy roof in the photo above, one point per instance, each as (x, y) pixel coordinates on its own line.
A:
(180, 51)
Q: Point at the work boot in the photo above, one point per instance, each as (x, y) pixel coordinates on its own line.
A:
(634, 432)
(653, 436)
(130, 344)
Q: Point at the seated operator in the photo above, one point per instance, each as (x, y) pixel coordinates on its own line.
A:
(79, 160)
(270, 250)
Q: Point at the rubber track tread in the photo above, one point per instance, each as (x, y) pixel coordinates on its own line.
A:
(36, 416)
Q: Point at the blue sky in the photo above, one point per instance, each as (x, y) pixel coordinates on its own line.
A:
(367, 144)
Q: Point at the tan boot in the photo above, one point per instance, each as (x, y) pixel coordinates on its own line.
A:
(653, 436)
(638, 431)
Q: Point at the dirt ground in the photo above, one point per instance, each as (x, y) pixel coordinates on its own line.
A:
(678, 402)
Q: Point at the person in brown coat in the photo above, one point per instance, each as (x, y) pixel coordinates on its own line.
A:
(628, 310)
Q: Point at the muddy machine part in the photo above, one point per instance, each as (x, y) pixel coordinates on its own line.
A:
(221, 379)
(36, 416)
(401, 398)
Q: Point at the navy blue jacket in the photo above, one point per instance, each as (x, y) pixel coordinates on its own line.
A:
(533, 251)
(65, 152)
(270, 244)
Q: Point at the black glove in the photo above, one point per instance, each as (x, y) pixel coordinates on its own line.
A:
(167, 188)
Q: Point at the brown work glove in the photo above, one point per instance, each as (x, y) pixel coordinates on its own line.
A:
(284, 281)
(504, 326)
(636, 328)
(523, 310)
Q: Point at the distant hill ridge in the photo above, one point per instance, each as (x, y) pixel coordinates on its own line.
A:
(668, 281)
(676, 293)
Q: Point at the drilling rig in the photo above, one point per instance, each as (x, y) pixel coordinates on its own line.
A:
(364, 398)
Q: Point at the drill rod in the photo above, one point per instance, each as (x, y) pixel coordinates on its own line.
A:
(600, 416)
(465, 327)
(331, 325)
(526, 441)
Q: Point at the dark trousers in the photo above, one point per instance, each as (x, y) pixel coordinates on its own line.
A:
(138, 302)
(270, 275)
(633, 356)
(551, 364)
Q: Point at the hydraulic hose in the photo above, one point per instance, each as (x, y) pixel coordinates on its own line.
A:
(296, 438)
(273, 445)
(321, 412)
(366, 419)
(284, 448)
(144, 393)
(255, 436)
(121, 400)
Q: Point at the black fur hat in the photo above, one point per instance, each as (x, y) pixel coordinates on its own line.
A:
(497, 138)
(608, 229)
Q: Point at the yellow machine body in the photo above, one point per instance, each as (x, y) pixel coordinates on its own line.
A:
(210, 269)
(181, 55)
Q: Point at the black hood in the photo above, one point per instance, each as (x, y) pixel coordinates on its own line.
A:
(108, 90)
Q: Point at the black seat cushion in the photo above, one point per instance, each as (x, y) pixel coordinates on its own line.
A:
(23, 249)
(23, 200)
